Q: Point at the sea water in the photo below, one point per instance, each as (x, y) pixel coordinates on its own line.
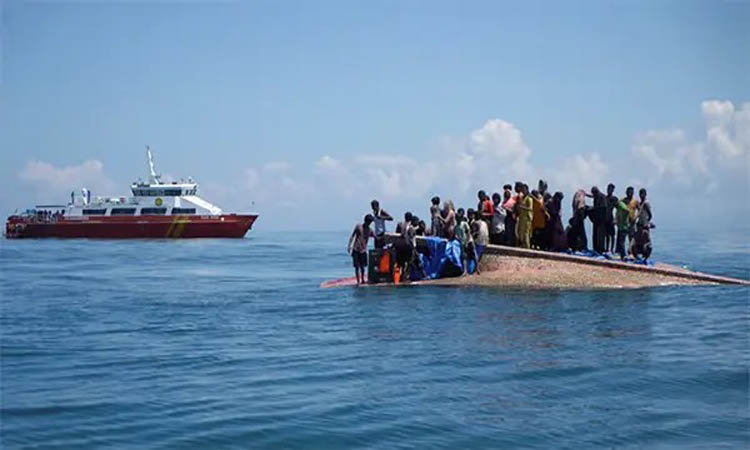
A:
(231, 344)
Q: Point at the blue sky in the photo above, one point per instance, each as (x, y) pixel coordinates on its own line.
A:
(322, 106)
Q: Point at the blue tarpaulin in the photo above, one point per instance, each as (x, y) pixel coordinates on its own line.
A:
(442, 257)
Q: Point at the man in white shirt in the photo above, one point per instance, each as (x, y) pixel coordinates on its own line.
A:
(497, 226)
(379, 218)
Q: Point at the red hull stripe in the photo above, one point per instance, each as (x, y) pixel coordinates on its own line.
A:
(224, 226)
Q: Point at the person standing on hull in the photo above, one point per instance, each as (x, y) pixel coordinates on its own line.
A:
(357, 247)
(556, 238)
(542, 188)
(622, 217)
(481, 234)
(597, 219)
(464, 237)
(485, 209)
(509, 204)
(525, 206)
(577, 236)
(539, 221)
(449, 220)
(643, 224)
(633, 206)
(379, 217)
(404, 244)
(497, 224)
(518, 187)
(436, 226)
(609, 221)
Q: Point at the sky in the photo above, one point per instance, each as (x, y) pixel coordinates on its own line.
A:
(305, 111)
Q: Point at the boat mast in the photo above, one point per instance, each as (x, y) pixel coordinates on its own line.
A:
(153, 177)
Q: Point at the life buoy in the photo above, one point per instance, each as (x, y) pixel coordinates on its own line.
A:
(158, 201)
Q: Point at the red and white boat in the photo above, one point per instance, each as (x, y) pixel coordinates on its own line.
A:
(155, 210)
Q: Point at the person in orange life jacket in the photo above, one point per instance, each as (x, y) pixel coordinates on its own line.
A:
(484, 207)
(379, 217)
(358, 247)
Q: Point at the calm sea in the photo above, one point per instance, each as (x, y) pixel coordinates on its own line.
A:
(231, 344)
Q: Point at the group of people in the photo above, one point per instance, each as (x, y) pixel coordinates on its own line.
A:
(48, 216)
(518, 217)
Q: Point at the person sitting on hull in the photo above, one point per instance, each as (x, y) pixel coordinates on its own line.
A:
(357, 247)
(380, 216)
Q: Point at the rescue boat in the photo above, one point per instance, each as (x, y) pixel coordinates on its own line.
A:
(155, 209)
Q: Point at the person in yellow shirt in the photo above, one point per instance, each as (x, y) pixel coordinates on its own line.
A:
(525, 218)
(539, 221)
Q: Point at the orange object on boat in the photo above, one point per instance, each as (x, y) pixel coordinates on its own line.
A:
(396, 274)
(385, 262)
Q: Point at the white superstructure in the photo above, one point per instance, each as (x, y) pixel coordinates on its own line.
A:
(148, 198)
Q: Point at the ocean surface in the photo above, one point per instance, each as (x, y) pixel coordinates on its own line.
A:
(231, 344)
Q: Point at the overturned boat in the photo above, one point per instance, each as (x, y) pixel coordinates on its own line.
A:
(519, 268)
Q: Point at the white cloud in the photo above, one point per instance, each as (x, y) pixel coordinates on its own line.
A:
(495, 153)
(671, 158)
(727, 129)
(252, 178)
(578, 172)
(45, 177)
(670, 154)
(276, 166)
(499, 140)
(328, 163)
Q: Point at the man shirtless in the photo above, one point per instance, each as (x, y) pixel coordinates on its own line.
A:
(357, 247)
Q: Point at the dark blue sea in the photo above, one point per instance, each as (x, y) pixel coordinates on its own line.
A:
(231, 344)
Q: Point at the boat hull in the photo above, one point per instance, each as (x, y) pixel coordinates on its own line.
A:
(135, 227)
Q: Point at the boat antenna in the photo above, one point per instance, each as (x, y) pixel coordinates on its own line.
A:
(153, 177)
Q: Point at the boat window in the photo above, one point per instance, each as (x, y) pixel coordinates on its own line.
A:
(183, 211)
(171, 192)
(94, 212)
(122, 212)
(153, 211)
